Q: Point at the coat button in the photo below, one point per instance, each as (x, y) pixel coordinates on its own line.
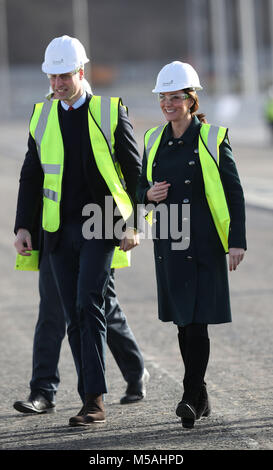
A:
(170, 142)
(186, 201)
(192, 162)
(187, 181)
(160, 258)
(154, 164)
(181, 142)
(196, 151)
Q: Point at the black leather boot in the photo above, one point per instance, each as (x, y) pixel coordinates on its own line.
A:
(187, 412)
(203, 408)
(36, 404)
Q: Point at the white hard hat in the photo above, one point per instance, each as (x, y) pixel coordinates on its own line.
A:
(64, 54)
(177, 76)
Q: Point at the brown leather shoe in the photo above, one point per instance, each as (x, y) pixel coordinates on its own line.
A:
(91, 412)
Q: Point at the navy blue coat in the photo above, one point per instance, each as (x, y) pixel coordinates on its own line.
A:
(192, 284)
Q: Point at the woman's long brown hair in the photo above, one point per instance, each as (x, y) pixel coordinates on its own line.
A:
(195, 106)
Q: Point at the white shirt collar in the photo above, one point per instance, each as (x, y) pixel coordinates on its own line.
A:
(77, 104)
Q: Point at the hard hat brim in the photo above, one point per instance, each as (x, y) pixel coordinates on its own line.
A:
(175, 88)
(61, 68)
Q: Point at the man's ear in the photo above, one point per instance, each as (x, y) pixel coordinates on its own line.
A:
(81, 72)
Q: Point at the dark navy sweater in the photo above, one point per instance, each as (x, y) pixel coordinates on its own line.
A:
(76, 192)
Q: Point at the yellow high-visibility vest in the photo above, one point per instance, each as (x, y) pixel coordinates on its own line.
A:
(102, 123)
(269, 110)
(210, 139)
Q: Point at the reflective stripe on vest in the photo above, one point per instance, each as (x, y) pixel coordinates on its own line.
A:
(102, 120)
(151, 142)
(45, 129)
(210, 139)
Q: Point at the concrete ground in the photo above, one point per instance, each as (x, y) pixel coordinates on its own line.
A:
(239, 375)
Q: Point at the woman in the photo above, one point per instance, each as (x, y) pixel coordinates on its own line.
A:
(188, 164)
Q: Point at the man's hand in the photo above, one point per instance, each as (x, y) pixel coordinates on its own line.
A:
(130, 239)
(236, 255)
(23, 242)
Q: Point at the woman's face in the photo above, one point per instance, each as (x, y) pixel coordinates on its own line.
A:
(175, 105)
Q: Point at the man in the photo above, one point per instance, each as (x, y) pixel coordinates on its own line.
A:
(77, 158)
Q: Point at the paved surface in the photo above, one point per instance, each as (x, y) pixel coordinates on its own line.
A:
(239, 375)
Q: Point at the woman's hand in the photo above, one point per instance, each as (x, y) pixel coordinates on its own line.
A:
(158, 192)
(236, 255)
(23, 242)
(130, 239)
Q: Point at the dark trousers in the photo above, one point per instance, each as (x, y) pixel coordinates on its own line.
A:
(50, 331)
(195, 348)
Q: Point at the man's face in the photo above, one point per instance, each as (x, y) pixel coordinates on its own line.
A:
(67, 86)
